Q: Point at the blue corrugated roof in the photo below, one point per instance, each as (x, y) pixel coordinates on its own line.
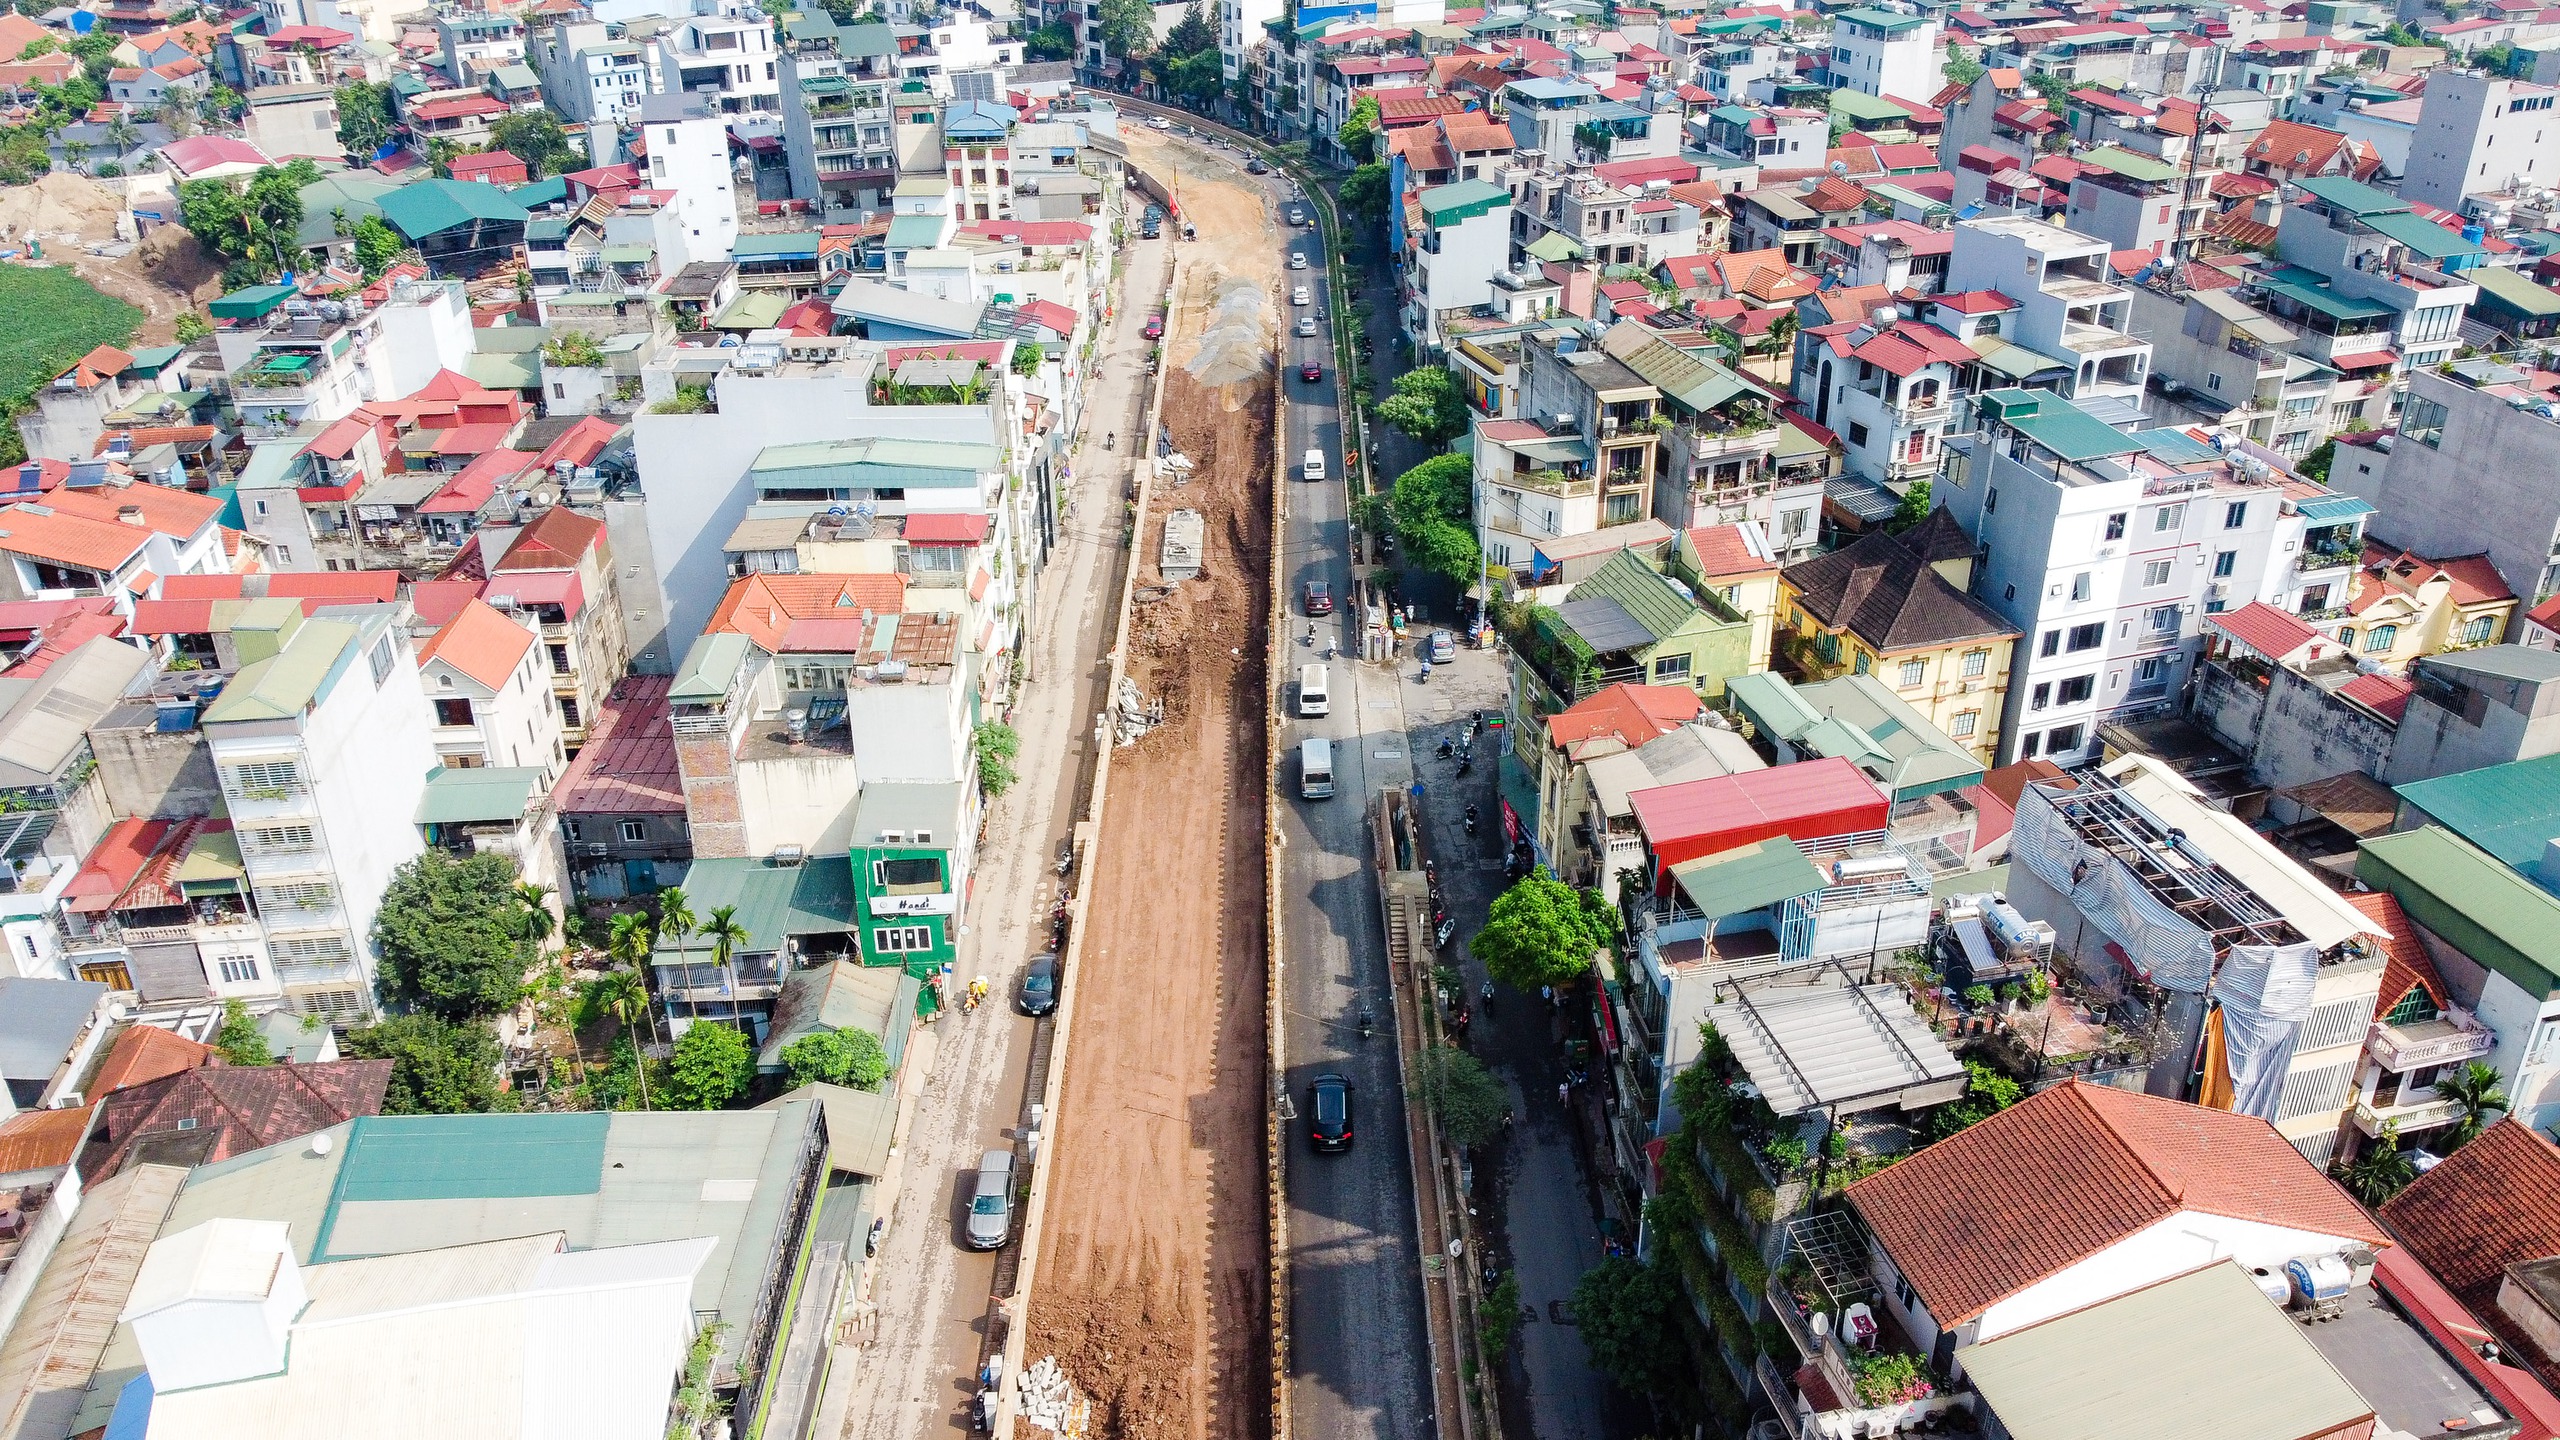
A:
(2330, 509)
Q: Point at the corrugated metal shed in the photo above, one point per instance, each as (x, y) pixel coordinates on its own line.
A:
(1808, 800)
(2202, 1357)
(2480, 907)
(2511, 811)
(1184, 533)
(1849, 1047)
(51, 720)
(62, 1332)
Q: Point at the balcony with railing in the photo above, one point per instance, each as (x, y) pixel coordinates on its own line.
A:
(2446, 1040)
(2404, 1119)
(2312, 561)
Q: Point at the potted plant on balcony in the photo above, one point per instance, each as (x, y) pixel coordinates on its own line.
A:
(1889, 1378)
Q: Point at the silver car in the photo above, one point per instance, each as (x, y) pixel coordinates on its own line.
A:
(1306, 324)
(991, 1203)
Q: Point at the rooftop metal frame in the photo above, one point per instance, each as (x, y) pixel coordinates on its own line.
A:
(2176, 873)
(1834, 1247)
(1802, 977)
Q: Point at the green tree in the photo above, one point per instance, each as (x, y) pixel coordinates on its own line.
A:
(1363, 193)
(997, 745)
(364, 117)
(676, 922)
(240, 1041)
(1194, 35)
(437, 1067)
(535, 137)
(712, 1066)
(1961, 69)
(378, 247)
(2316, 464)
(1542, 932)
(851, 1058)
(1628, 1314)
(1433, 504)
(1461, 1094)
(220, 102)
(1359, 130)
(1128, 26)
(1987, 1092)
(1426, 405)
(1198, 79)
(2382, 1171)
(192, 327)
(2475, 1090)
(726, 935)
(2055, 90)
(1027, 356)
(625, 996)
(1054, 41)
(448, 935)
(1913, 509)
(629, 943)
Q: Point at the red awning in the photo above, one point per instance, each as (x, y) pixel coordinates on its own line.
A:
(2371, 360)
(542, 587)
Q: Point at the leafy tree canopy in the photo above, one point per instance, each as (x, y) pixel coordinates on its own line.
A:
(1627, 1313)
(535, 138)
(364, 117)
(1543, 932)
(851, 1058)
(1054, 41)
(1128, 26)
(712, 1065)
(1462, 1095)
(1360, 128)
(1432, 505)
(1193, 36)
(438, 1067)
(1363, 192)
(240, 1041)
(448, 935)
(1426, 406)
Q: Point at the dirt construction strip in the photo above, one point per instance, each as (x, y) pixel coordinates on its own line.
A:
(1153, 1265)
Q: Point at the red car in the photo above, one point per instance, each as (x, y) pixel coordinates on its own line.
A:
(1317, 598)
(1311, 372)
(1155, 326)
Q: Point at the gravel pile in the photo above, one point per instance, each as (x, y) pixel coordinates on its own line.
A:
(1235, 344)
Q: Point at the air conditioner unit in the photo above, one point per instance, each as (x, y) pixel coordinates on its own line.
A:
(787, 855)
(2217, 590)
(69, 1100)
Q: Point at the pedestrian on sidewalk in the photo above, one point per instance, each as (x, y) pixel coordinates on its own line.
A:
(1564, 1093)
(1548, 994)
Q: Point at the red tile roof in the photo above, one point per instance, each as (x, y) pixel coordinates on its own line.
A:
(2264, 628)
(210, 1114)
(558, 540)
(341, 587)
(178, 514)
(628, 765)
(113, 862)
(144, 1053)
(482, 643)
(2385, 695)
(42, 533)
(1628, 714)
(2488, 1205)
(2292, 146)
(951, 528)
(762, 607)
(436, 602)
(2405, 965)
(1722, 553)
(2062, 1175)
(2387, 569)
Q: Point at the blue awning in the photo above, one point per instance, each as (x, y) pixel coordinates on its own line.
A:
(2332, 509)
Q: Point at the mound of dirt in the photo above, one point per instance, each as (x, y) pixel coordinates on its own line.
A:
(175, 262)
(1235, 338)
(60, 208)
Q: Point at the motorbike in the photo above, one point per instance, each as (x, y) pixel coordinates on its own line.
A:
(1111, 441)
(1466, 763)
(1426, 674)
(1447, 749)
(1368, 1022)
(1440, 934)
(1471, 819)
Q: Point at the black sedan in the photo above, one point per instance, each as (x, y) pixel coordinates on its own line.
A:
(1331, 1110)
(1039, 992)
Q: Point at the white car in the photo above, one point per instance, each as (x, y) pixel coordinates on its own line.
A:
(1297, 259)
(1306, 324)
(1161, 123)
(1298, 296)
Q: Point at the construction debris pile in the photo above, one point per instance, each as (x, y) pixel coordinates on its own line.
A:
(1132, 713)
(1045, 1399)
(1236, 343)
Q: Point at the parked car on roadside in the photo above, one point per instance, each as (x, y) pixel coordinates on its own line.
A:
(1443, 647)
(1039, 992)
(1330, 1112)
(991, 1202)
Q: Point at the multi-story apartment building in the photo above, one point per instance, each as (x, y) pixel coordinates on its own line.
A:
(1465, 241)
(589, 76)
(490, 694)
(837, 120)
(726, 63)
(291, 362)
(2374, 286)
(1887, 387)
(2070, 305)
(322, 742)
(559, 574)
(472, 43)
(2478, 134)
(689, 155)
(2110, 551)
(1882, 53)
(976, 159)
(2465, 472)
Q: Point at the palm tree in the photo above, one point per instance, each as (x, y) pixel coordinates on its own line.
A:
(2382, 1170)
(2474, 1088)
(676, 922)
(536, 920)
(626, 996)
(629, 944)
(120, 136)
(726, 935)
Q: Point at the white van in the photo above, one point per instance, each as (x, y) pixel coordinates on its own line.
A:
(1313, 465)
(1315, 769)
(1314, 695)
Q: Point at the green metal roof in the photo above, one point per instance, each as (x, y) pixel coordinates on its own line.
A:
(2477, 905)
(814, 897)
(2131, 164)
(709, 665)
(2016, 361)
(1771, 704)
(477, 796)
(786, 245)
(2058, 425)
(250, 304)
(2351, 196)
(877, 462)
(1642, 592)
(1859, 105)
(2325, 300)
(1912, 755)
(355, 192)
(283, 686)
(1754, 877)
(1885, 20)
(2424, 236)
(1554, 246)
(1466, 200)
(507, 1157)
(914, 232)
(755, 310)
(505, 370)
(432, 207)
(2515, 291)
(534, 194)
(2511, 810)
(2332, 509)
(516, 77)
